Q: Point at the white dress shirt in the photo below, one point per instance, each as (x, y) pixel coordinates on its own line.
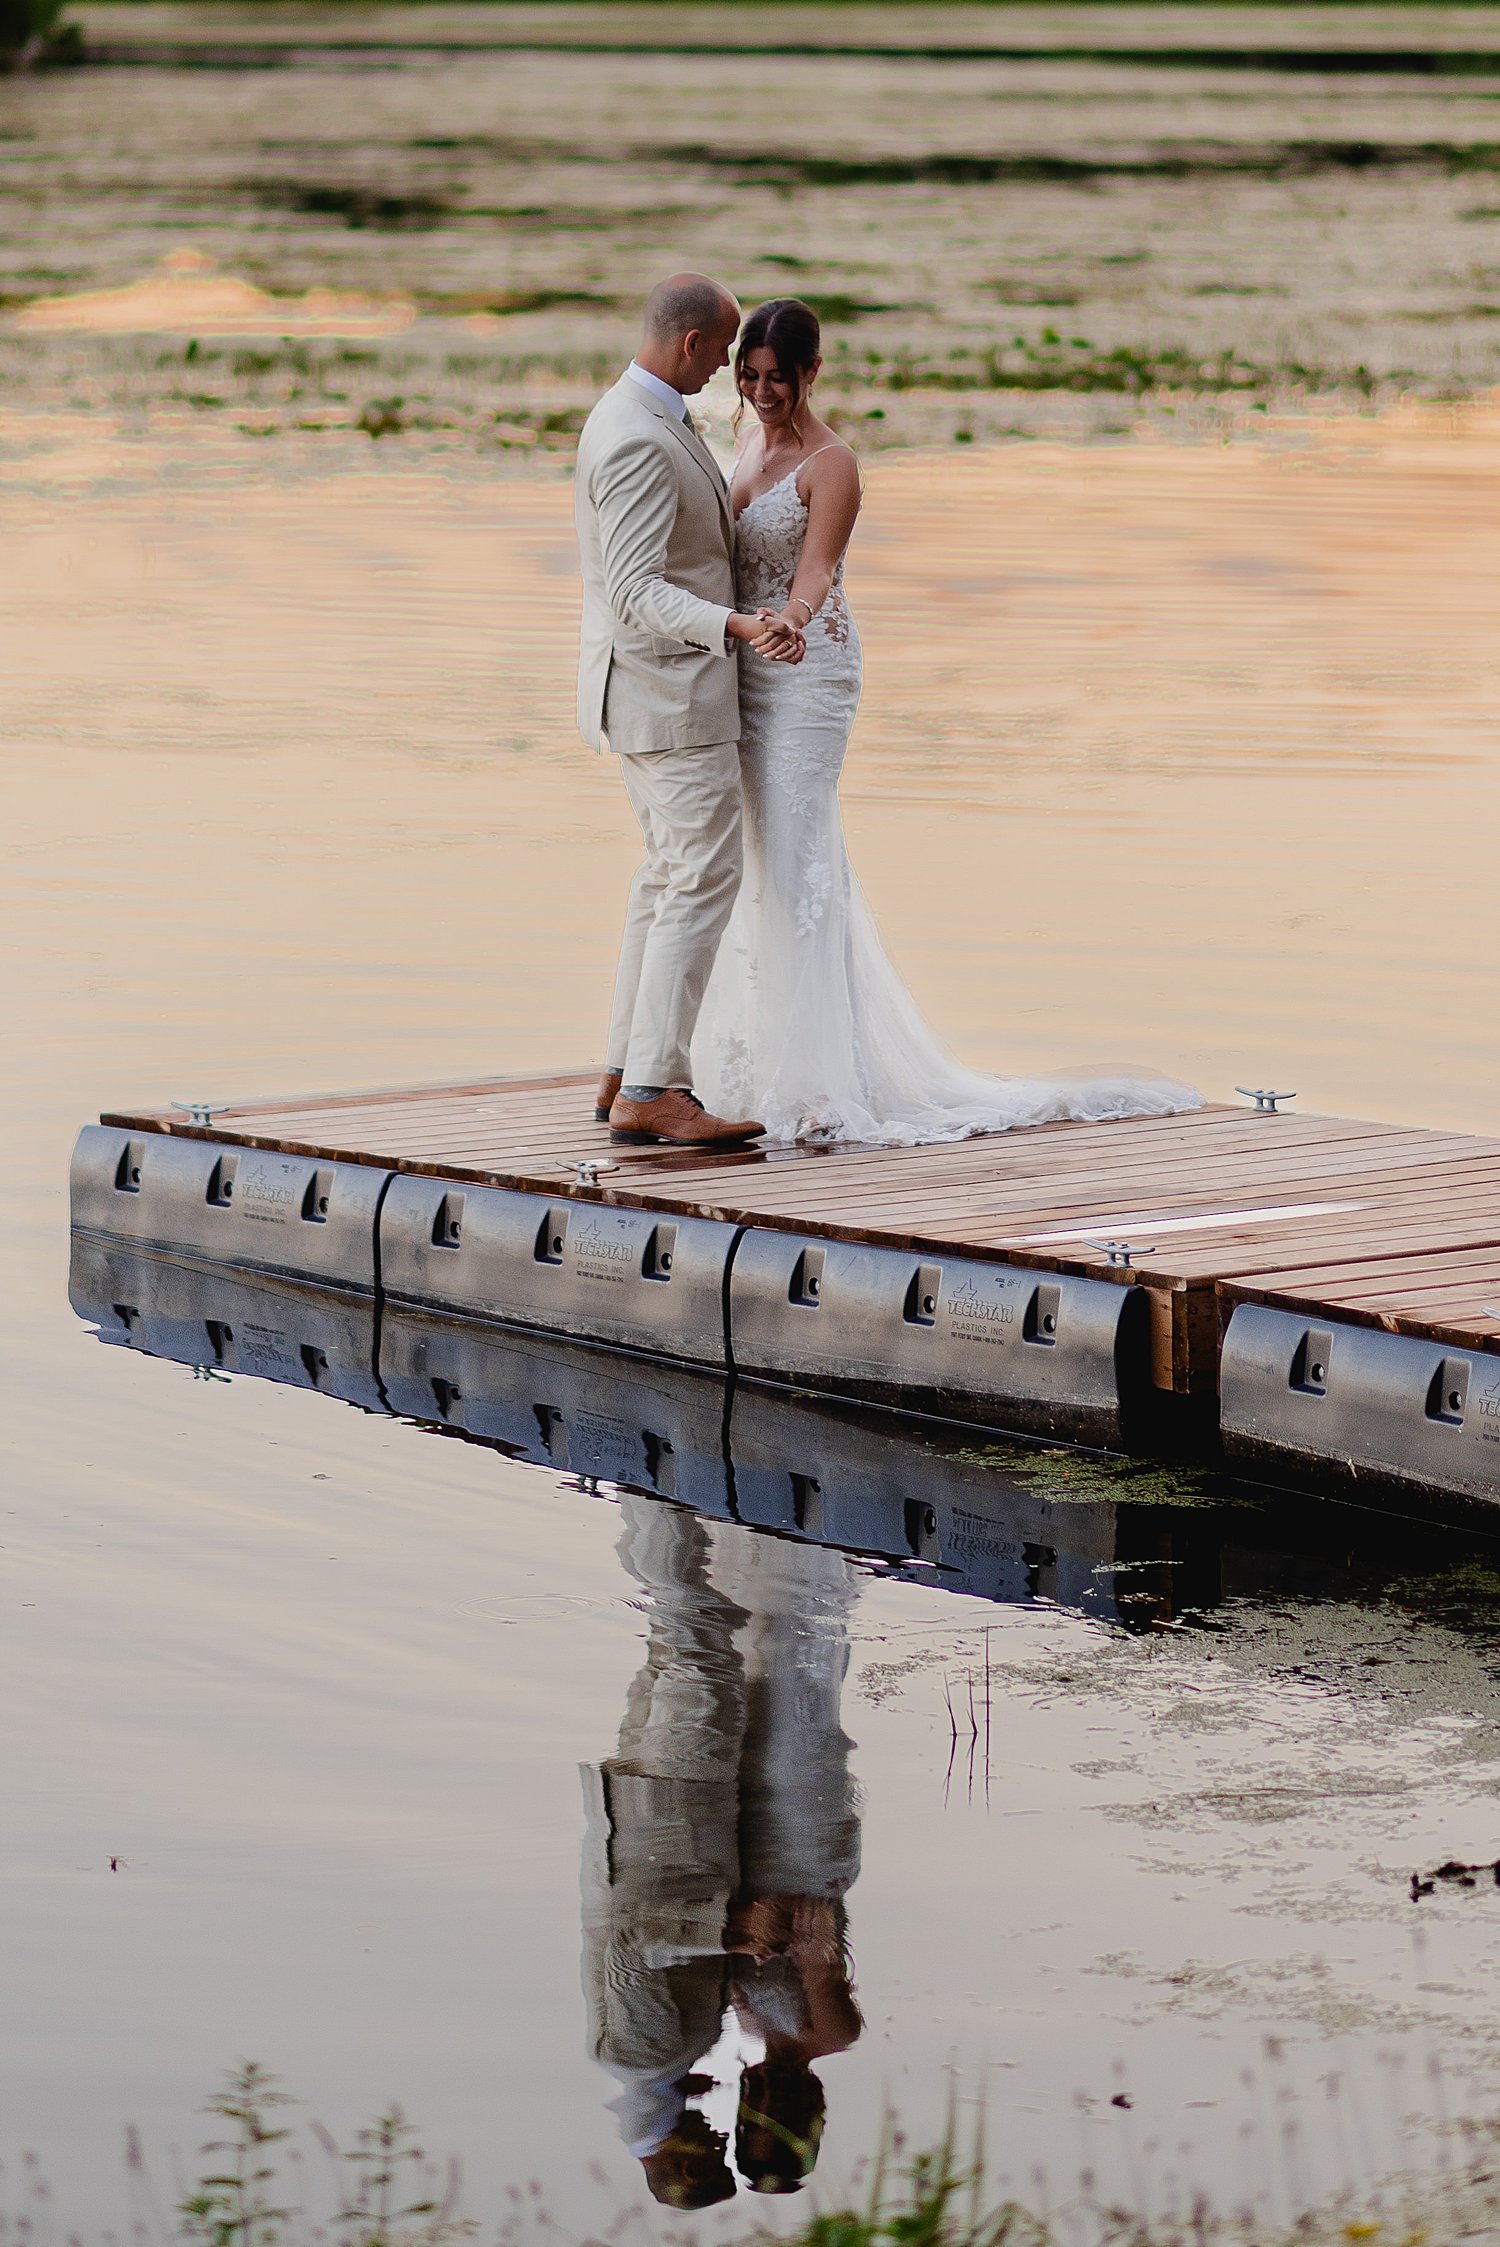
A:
(673, 400)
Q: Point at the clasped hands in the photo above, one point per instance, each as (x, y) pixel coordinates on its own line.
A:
(778, 638)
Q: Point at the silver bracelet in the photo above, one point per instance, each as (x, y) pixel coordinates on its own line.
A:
(803, 602)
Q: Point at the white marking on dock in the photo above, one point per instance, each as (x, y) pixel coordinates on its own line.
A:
(1139, 1220)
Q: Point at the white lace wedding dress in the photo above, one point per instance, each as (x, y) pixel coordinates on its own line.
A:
(806, 1024)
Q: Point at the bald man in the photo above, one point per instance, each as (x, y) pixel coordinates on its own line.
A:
(657, 680)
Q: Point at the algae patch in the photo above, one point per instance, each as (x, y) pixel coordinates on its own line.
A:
(1082, 1477)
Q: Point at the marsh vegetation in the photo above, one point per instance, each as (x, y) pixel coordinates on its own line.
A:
(271, 2175)
(1009, 220)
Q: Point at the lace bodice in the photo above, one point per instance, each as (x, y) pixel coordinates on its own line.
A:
(794, 717)
(767, 548)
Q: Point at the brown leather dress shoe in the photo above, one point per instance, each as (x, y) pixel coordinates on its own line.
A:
(608, 1093)
(675, 1119)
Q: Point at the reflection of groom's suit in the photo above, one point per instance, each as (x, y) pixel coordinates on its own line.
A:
(731, 1783)
(658, 676)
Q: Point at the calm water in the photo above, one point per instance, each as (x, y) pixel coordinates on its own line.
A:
(1179, 754)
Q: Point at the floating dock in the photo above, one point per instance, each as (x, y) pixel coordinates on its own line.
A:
(1322, 1295)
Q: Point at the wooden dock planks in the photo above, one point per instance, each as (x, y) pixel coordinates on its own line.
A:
(1377, 1223)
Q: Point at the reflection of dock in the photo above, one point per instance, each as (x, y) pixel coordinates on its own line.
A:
(1007, 1523)
(820, 1475)
(1335, 1284)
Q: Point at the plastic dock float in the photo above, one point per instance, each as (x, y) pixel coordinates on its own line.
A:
(1328, 1289)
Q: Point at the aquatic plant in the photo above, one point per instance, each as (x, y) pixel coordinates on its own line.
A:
(387, 2163)
(389, 2194)
(1061, 1474)
(385, 2192)
(231, 2205)
(936, 2197)
(33, 31)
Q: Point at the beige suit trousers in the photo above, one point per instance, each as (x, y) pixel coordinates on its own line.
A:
(688, 804)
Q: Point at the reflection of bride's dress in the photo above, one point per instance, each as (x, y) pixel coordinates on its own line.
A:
(806, 1023)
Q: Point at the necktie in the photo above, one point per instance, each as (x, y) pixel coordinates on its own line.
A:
(688, 422)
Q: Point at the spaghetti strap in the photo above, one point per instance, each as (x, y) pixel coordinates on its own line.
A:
(835, 444)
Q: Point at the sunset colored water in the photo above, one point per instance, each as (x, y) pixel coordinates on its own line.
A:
(297, 802)
(1178, 748)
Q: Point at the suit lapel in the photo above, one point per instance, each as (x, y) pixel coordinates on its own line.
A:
(692, 445)
(706, 461)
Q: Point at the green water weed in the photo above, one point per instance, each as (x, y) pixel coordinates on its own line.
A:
(232, 2204)
(389, 2193)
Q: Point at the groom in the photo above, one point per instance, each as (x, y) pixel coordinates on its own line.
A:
(657, 677)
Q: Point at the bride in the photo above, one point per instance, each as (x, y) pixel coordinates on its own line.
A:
(806, 1023)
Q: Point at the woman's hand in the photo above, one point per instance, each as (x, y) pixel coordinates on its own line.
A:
(777, 638)
(761, 630)
(787, 624)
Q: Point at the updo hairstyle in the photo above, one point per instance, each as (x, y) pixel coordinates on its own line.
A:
(790, 329)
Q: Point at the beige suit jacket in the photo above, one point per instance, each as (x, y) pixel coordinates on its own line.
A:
(656, 544)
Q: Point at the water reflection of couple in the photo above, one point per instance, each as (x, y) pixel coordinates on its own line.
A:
(722, 1838)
